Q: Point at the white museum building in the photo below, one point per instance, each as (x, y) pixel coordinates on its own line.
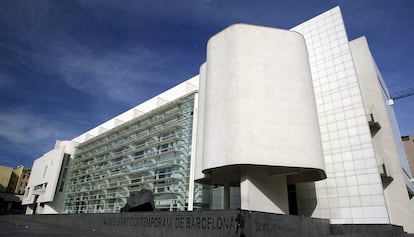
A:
(293, 121)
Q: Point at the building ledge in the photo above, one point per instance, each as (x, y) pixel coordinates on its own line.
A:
(374, 126)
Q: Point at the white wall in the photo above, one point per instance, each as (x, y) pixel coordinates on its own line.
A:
(352, 193)
(259, 100)
(387, 141)
(44, 177)
(45, 172)
(256, 102)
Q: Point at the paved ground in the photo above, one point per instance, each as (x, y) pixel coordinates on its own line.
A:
(31, 229)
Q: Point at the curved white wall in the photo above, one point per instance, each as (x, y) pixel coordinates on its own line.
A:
(259, 106)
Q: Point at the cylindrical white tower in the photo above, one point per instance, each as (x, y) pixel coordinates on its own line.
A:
(258, 120)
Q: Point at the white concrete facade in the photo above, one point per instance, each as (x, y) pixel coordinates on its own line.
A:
(247, 128)
(43, 194)
(391, 158)
(355, 163)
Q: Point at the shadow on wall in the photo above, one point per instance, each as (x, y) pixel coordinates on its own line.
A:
(306, 198)
(261, 181)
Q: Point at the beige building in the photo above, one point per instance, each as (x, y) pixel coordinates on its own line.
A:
(22, 179)
(5, 176)
(14, 180)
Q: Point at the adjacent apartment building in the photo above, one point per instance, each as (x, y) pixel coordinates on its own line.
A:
(14, 180)
(293, 121)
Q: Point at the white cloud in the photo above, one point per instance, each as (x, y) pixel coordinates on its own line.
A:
(118, 74)
(119, 77)
(31, 132)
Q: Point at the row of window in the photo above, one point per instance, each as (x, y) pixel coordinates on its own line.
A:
(140, 125)
(158, 160)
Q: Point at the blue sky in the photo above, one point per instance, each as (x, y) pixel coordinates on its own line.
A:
(68, 66)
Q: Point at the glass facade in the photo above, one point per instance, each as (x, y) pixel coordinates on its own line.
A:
(152, 151)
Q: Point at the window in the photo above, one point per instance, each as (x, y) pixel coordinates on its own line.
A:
(44, 173)
(139, 154)
(164, 173)
(166, 147)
